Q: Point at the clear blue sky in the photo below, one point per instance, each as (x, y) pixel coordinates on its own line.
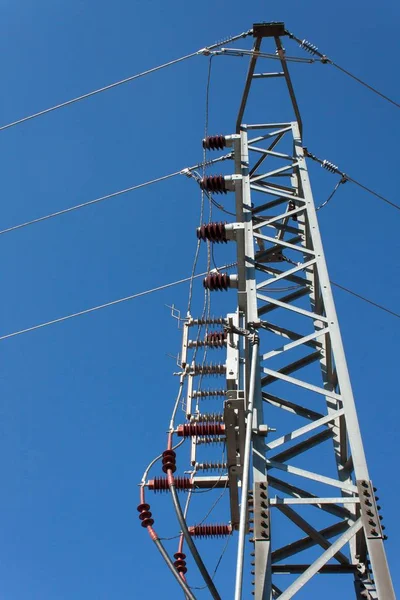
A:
(85, 403)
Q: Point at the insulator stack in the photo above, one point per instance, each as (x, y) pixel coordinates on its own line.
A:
(217, 282)
(160, 484)
(214, 530)
(213, 232)
(212, 321)
(203, 429)
(329, 166)
(169, 461)
(208, 417)
(145, 515)
(210, 466)
(180, 562)
(216, 339)
(208, 393)
(308, 47)
(207, 439)
(218, 369)
(214, 183)
(214, 142)
(213, 339)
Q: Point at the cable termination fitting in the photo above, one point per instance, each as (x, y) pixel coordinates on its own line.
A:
(211, 530)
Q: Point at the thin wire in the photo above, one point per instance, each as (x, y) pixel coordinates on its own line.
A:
(99, 307)
(153, 462)
(374, 193)
(196, 256)
(89, 203)
(123, 81)
(325, 60)
(391, 312)
(224, 549)
(186, 171)
(98, 91)
(331, 195)
(353, 293)
(365, 84)
(219, 498)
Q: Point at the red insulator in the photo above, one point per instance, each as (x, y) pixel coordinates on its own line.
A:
(194, 429)
(214, 142)
(214, 530)
(180, 562)
(145, 515)
(213, 183)
(214, 232)
(160, 484)
(216, 339)
(216, 282)
(169, 461)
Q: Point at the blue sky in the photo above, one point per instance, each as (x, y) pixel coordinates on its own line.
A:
(85, 403)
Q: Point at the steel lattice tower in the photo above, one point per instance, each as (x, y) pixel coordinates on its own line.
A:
(285, 370)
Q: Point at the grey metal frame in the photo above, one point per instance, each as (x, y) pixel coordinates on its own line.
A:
(281, 242)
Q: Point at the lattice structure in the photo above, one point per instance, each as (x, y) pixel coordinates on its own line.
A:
(302, 495)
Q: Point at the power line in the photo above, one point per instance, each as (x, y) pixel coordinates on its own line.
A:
(345, 289)
(185, 171)
(312, 49)
(106, 305)
(158, 289)
(203, 51)
(326, 164)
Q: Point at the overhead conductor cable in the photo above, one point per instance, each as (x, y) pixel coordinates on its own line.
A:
(203, 51)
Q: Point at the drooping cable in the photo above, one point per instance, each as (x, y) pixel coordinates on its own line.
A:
(335, 189)
(203, 51)
(312, 49)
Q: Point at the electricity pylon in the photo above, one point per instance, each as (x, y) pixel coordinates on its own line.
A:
(285, 371)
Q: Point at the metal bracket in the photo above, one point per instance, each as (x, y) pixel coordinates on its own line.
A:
(369, 510)
(274, 29)
(234, 419)
(261, 511)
